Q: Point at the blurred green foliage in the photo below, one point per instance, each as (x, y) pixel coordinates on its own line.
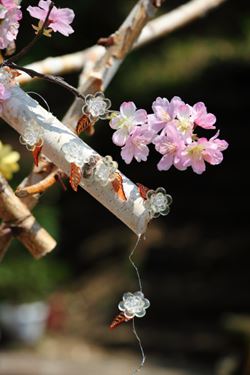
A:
(24, 280)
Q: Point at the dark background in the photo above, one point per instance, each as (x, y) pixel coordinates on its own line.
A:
(194, 262)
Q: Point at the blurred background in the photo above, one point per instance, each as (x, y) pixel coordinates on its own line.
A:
(194, 263)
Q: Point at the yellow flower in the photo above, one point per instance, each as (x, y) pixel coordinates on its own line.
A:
(8, 161)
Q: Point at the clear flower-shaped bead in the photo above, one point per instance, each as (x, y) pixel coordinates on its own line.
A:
(73, 152)
(105, 170)
(32, 136)
(96, 106)
(158, 202)
(134, 304)
(90, 164)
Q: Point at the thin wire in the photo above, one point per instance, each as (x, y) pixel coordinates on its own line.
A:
(41, 97)
(140, 287)
(141, 348)
(133, 263)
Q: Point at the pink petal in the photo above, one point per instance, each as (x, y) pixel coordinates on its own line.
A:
(44, 4)
(127, 153)
(222, 145)
(115, 123)
(155, 124)
(9, 4)
(140, 116)
(64, 15)
(206, 121)
(127, 109)
(214, 158)
(179, 163)
(184, 111)
(200, 108)
(37, 13)
(141, 153)
(120, 137)
(165, 163)
(198, 165)
(162, 113)
(62, 28)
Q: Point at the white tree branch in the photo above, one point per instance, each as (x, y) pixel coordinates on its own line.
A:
(154, 29)
(99, 75)
(60, 65)
(175, 19)
(21, 108)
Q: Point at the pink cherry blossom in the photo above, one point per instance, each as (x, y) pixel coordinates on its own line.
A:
(184, 122)
(4, 95)
(164, 111)
(203, 150)
(172, 129)
(136, 144)
(170, 144)
(59, 19)
(202, 118)
(10, 15)
(8, 4)
(125, 121)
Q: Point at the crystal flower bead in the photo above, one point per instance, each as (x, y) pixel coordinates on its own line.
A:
(89, 165)
(32, 135)
(96, 106)
(158, 202)
(134, 304)
(73, 152)
(105, 170)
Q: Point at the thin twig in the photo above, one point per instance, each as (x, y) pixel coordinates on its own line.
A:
(54, 79)
(40, 187)
(27, 48)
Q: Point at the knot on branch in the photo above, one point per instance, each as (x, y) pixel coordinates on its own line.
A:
(106, 41)
(16, 226)
(157, 3)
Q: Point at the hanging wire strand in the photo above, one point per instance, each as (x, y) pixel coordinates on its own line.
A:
(141, 348)
(41, 97)
(140, 287)
(133, 263)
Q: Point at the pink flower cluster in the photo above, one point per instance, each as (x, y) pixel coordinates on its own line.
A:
(171, 128)
(10, 15)
(59, 19)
